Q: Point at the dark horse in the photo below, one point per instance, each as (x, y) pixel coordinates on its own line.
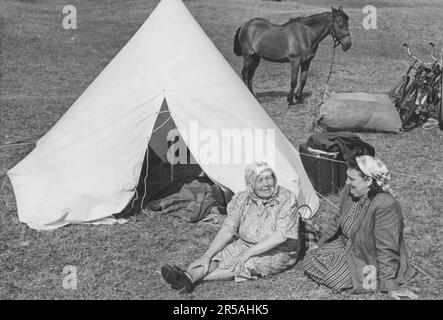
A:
(296, 42)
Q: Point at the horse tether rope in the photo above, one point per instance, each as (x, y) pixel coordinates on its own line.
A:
(331, 64)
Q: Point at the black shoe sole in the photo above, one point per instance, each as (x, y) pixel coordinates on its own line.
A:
(177, 278)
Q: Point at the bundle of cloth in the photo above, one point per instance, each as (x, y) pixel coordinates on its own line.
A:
(194, 201)
(347, 144)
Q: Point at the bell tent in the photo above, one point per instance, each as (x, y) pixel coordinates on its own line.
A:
(87, 167)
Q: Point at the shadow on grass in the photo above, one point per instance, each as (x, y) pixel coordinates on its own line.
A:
(275, 94)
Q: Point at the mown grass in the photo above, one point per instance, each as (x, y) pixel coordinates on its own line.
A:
(45, 68)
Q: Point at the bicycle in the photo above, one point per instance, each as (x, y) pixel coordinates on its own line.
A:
(439, 93)
(434, 102)
(440, 108)
(429, 97)
(423, 95)
(398, 91)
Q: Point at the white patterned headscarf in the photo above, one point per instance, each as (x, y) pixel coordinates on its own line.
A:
(253, 171)
(376, 169)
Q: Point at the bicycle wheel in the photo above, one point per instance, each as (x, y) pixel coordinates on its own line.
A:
(396, 93)
(407, 106)
(440, 104)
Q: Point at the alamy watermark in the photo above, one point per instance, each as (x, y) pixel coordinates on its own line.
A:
(70, 18)
(370, 277)
(225, 146)
(70, 279)
(370, 19)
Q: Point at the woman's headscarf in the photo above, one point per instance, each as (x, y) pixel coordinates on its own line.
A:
(376, 169)
(253, 171)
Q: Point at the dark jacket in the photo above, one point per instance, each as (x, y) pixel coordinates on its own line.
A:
(376, 239)
(346, 143)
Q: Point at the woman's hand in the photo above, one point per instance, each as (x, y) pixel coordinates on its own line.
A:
(313, 247)
(238, 262)
(204, 262)
(402, 293)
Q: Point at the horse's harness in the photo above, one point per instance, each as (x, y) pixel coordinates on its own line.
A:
(337, 40)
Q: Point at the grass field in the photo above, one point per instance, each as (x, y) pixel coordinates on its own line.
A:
(44, 68)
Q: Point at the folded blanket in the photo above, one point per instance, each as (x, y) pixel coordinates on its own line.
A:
(194, 200)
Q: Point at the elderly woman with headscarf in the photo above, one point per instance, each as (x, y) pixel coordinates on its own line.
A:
(363, 248)
(258, 237)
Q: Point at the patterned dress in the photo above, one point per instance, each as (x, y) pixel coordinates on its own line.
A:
(327, 264)
(253, 219)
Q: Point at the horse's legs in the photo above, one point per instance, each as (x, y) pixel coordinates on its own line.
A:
(247, 62)
(244, 71)
(295, 67)
(254, 64)
(303, 76)
(250, 63)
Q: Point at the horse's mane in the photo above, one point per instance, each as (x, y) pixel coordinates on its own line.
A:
(309, 20)
(313, 19)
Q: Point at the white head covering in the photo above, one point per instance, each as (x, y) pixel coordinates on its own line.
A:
(251, 174)
(254, 170)
(376, 169)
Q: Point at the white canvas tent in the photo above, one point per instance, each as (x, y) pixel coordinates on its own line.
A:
(86, 168)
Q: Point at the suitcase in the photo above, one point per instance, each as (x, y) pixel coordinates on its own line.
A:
(326, 176)
(341, 172)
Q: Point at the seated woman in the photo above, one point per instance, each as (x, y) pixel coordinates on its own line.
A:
(363, 248)
(258, 237)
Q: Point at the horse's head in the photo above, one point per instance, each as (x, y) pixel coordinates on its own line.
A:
(340, 29)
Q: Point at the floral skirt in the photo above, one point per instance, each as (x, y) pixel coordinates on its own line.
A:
(269, 263)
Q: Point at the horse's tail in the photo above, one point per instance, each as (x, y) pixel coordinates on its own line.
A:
(237, 47)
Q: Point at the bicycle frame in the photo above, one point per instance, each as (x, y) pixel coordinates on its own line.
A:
(427, 84)
(398, 91)
(421, 94)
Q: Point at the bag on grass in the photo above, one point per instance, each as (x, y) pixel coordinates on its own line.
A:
(310, 233)
(359, 112)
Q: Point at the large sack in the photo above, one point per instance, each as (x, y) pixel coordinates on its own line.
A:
(359, 112)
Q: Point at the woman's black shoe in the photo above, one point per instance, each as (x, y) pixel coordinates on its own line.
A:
(177, 278)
